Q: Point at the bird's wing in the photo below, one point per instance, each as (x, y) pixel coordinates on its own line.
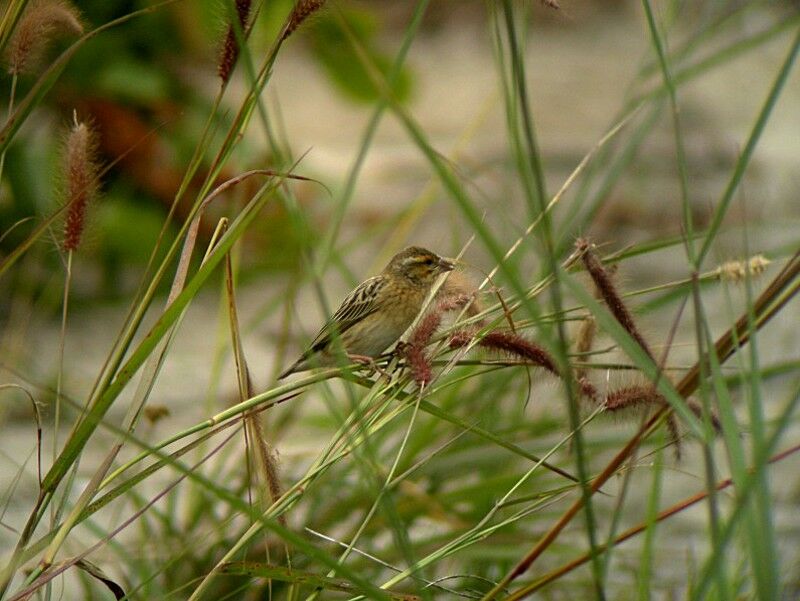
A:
(360, 303)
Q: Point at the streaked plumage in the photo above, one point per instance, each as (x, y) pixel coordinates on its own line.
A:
(377, 312)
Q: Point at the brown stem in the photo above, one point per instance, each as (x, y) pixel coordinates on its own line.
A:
(631, 532)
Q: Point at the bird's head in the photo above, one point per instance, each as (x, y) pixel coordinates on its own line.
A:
(418, 265)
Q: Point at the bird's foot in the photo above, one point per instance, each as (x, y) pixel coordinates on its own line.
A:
(400, 348)
(367, 362)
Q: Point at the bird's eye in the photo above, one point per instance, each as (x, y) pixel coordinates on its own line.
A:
(427, 261)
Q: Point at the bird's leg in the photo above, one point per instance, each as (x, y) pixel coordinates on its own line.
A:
(367, 361)
(400, 349)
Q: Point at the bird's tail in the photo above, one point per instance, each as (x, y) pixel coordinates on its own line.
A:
(296, 366)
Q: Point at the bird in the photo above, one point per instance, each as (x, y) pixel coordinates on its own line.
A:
(377, 312)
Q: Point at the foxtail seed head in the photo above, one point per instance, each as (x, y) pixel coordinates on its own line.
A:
(80, 181)
(41, 20)
(230, 48)
(302, 10)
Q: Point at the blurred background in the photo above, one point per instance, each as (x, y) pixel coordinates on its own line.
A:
(147, 86)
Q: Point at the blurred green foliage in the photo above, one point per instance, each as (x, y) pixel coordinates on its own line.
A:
(336, 56)
(153, 81)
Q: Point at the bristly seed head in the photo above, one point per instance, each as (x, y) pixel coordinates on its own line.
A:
(588, 390)
(41, 20)
(584, 342)
(81, 181)
(302, 10)
(459, 291)
(230, 48)
(608, 291)
(414, 351)
(511, 344)
(633, 396)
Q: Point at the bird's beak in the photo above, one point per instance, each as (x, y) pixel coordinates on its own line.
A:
(446, 264)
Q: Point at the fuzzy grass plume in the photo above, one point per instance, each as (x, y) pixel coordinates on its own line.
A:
(414, 350)
(511, 344)
(301, 11)
(459, 291)
(40, 22)
(608, 292)
(81, 182)
(460, 294)
(229, 53)
(646, 396)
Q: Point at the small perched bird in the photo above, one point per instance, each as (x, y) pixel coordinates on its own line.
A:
(377, 312)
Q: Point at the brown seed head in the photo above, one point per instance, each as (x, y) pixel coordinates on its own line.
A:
(588, 390)
(230, 47)
(510, 344)
(80, 180)
(414, 350)
(608, 291)
(41, 20)
(514, 344)
(419, 365)
(459, 291)
(302, 10)
(631, 397)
